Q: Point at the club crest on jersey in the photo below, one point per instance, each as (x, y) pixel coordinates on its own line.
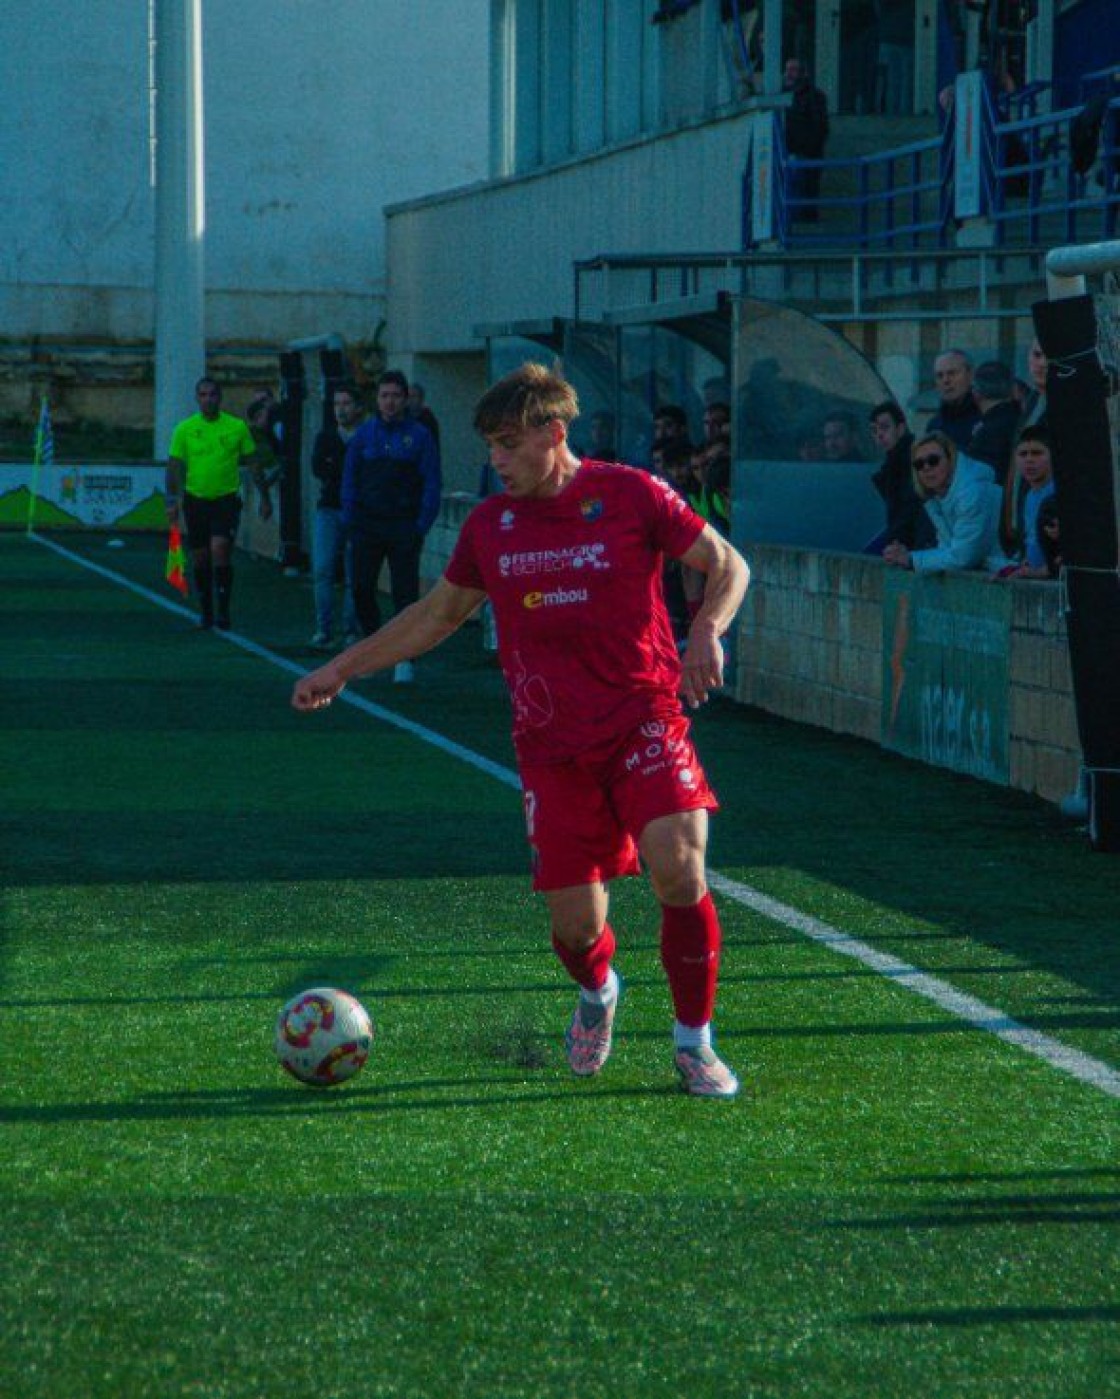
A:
(591, 508)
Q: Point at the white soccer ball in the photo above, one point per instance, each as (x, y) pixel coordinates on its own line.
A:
(323, 1036)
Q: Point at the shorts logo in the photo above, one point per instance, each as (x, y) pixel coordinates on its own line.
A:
(591, 509)
(558, 597)
(686, 777)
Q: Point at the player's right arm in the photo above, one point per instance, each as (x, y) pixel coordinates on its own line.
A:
(417, 629)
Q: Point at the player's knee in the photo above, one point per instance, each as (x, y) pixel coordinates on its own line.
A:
(577, 931)
(682, 885)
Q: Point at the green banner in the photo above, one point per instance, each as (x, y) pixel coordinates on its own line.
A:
(945, 671)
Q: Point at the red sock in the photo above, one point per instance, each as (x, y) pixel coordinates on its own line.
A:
(690, 942)
(590, 966)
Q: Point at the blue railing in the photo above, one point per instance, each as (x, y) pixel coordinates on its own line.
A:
(905, 199)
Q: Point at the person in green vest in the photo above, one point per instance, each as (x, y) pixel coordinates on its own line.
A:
(204, 462)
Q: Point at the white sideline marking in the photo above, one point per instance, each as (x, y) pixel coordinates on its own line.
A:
(971, 1010)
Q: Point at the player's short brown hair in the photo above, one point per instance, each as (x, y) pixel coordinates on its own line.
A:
(531, 396)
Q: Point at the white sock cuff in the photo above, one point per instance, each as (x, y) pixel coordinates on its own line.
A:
(605, 994)
(692, 1036)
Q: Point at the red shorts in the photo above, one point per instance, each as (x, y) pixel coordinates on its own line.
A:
(584, 817)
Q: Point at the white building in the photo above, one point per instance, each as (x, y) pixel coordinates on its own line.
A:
(316, 116)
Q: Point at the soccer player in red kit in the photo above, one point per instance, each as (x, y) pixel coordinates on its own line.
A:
(570, 555)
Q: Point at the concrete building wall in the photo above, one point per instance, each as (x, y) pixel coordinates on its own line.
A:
(504, 250)
(316, 117)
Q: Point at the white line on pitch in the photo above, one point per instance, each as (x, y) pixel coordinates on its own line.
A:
(972, 1011)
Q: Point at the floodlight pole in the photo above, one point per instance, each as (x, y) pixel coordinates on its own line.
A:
(180, 221)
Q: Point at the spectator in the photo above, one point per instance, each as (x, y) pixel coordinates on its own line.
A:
(959, 412)
(680, 584)
(672, 461)
(264, 407)
(838, 437)
(1034, 406)
(806, 130)
(330, 545)
(907, 521)
(1050, 535)
(717, 422)
(1030, 484)
(670, 424)
(963, 502)
(859, 46)
(896, 55)
(390, 499)
(601, 444)
(993, 438)
(418, 409)
(203, 482)
(266, 439)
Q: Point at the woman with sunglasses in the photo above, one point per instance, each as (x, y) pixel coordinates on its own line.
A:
(963, 502)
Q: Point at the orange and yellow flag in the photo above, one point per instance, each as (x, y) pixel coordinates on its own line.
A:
(176, 570)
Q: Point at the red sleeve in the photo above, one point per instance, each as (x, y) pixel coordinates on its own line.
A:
(462, 569)
(676, 525)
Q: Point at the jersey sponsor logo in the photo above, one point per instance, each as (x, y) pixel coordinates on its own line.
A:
(558, 597)
(573, 559)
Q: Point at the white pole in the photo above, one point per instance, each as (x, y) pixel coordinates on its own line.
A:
(180, 215)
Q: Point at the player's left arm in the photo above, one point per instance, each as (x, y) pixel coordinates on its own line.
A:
(725, 584)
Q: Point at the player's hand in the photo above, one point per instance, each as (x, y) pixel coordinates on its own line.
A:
(701, 668)
(317, 688)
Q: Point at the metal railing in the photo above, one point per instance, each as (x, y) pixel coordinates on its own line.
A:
(904, 198)
(840, 285)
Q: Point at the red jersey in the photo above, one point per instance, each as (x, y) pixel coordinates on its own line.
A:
(575, 582)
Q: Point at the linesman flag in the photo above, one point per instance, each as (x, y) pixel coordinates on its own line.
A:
(44, 456)
(176, 570)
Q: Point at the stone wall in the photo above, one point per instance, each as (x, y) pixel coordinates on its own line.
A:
(810, 648)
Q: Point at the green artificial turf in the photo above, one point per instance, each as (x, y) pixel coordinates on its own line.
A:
(899, 1203)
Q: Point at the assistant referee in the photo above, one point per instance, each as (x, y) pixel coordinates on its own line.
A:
(204, 463)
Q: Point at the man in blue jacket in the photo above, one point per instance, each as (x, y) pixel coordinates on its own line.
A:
(390, 498)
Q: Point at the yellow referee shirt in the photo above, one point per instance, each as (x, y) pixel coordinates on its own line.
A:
(211, 450)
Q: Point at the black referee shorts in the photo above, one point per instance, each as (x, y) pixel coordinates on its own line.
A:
(210, 519)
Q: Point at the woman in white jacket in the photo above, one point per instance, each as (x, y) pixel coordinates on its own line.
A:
(962, 499)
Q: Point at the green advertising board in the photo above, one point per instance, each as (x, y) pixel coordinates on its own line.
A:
(945, 671)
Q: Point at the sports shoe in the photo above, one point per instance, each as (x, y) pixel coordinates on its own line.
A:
(404, 672)
(704, 1074)
(588, 1038)
(321, 640)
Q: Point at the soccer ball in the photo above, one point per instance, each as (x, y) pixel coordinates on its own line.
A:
(323, 1036)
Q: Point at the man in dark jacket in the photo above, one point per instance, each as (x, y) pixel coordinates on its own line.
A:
(391, 487)
(959, 412)
(907, 520)
(806, 128)
(993, 438)
(329, 543)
